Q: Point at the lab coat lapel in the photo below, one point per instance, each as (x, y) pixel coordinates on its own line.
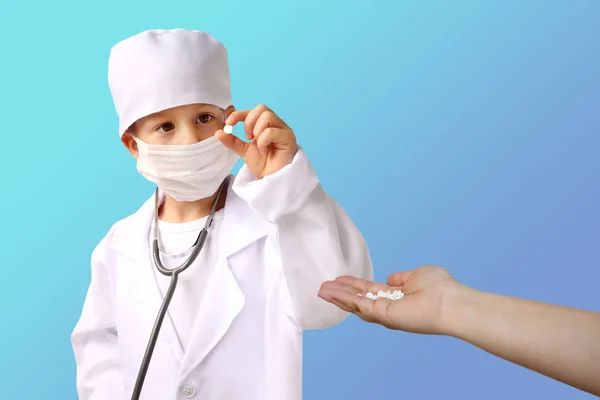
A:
(144, 291)
(223, 299)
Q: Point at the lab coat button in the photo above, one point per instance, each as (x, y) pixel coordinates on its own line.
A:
(188, 390)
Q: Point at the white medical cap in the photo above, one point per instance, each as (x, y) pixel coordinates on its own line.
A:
(160, 69)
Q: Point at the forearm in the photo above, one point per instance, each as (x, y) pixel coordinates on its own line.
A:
(314, 238)
(98, 371)
(94, 339)
(317, 244)
(559, 342)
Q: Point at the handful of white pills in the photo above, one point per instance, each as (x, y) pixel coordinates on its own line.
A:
(228, 129)
(395, 295)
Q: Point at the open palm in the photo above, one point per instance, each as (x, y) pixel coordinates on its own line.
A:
(419, 311)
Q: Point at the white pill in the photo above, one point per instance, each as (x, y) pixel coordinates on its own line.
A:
(228, 129)
(391, 295)
(397, 295)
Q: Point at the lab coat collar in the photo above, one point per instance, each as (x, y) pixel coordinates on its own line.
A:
(242, 226)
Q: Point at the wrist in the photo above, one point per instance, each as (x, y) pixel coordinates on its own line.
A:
(457, 305)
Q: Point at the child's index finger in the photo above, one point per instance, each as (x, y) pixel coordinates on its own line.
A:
(237, 116)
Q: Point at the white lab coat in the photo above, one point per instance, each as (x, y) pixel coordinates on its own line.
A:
(285, 237)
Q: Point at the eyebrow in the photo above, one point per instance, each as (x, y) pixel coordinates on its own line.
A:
(201, 108)
(156, 115)
(208, 108)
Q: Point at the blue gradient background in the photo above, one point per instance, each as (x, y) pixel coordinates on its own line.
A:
(464, 134)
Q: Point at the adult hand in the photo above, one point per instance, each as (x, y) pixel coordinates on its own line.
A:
(559, 342)
(421, 310)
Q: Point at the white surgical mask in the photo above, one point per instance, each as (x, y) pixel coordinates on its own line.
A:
(186, 172)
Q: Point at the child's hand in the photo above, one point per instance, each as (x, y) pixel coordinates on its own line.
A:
(273, 144)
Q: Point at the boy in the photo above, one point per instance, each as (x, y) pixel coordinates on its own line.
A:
(234, 327)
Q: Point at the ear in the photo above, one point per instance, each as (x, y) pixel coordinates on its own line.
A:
(130, 143)
(228, 111)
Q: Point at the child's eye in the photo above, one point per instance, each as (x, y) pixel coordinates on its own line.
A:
(166, 127)
(204, 118)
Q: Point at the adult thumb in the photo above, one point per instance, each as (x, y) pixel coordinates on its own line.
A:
(398, 278)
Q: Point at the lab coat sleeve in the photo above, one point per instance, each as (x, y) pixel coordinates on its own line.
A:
(94, 338)
(316, 239)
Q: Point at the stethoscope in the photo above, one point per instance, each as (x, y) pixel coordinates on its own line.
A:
(174, 274)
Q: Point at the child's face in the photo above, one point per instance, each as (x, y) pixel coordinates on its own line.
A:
(181, 125)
